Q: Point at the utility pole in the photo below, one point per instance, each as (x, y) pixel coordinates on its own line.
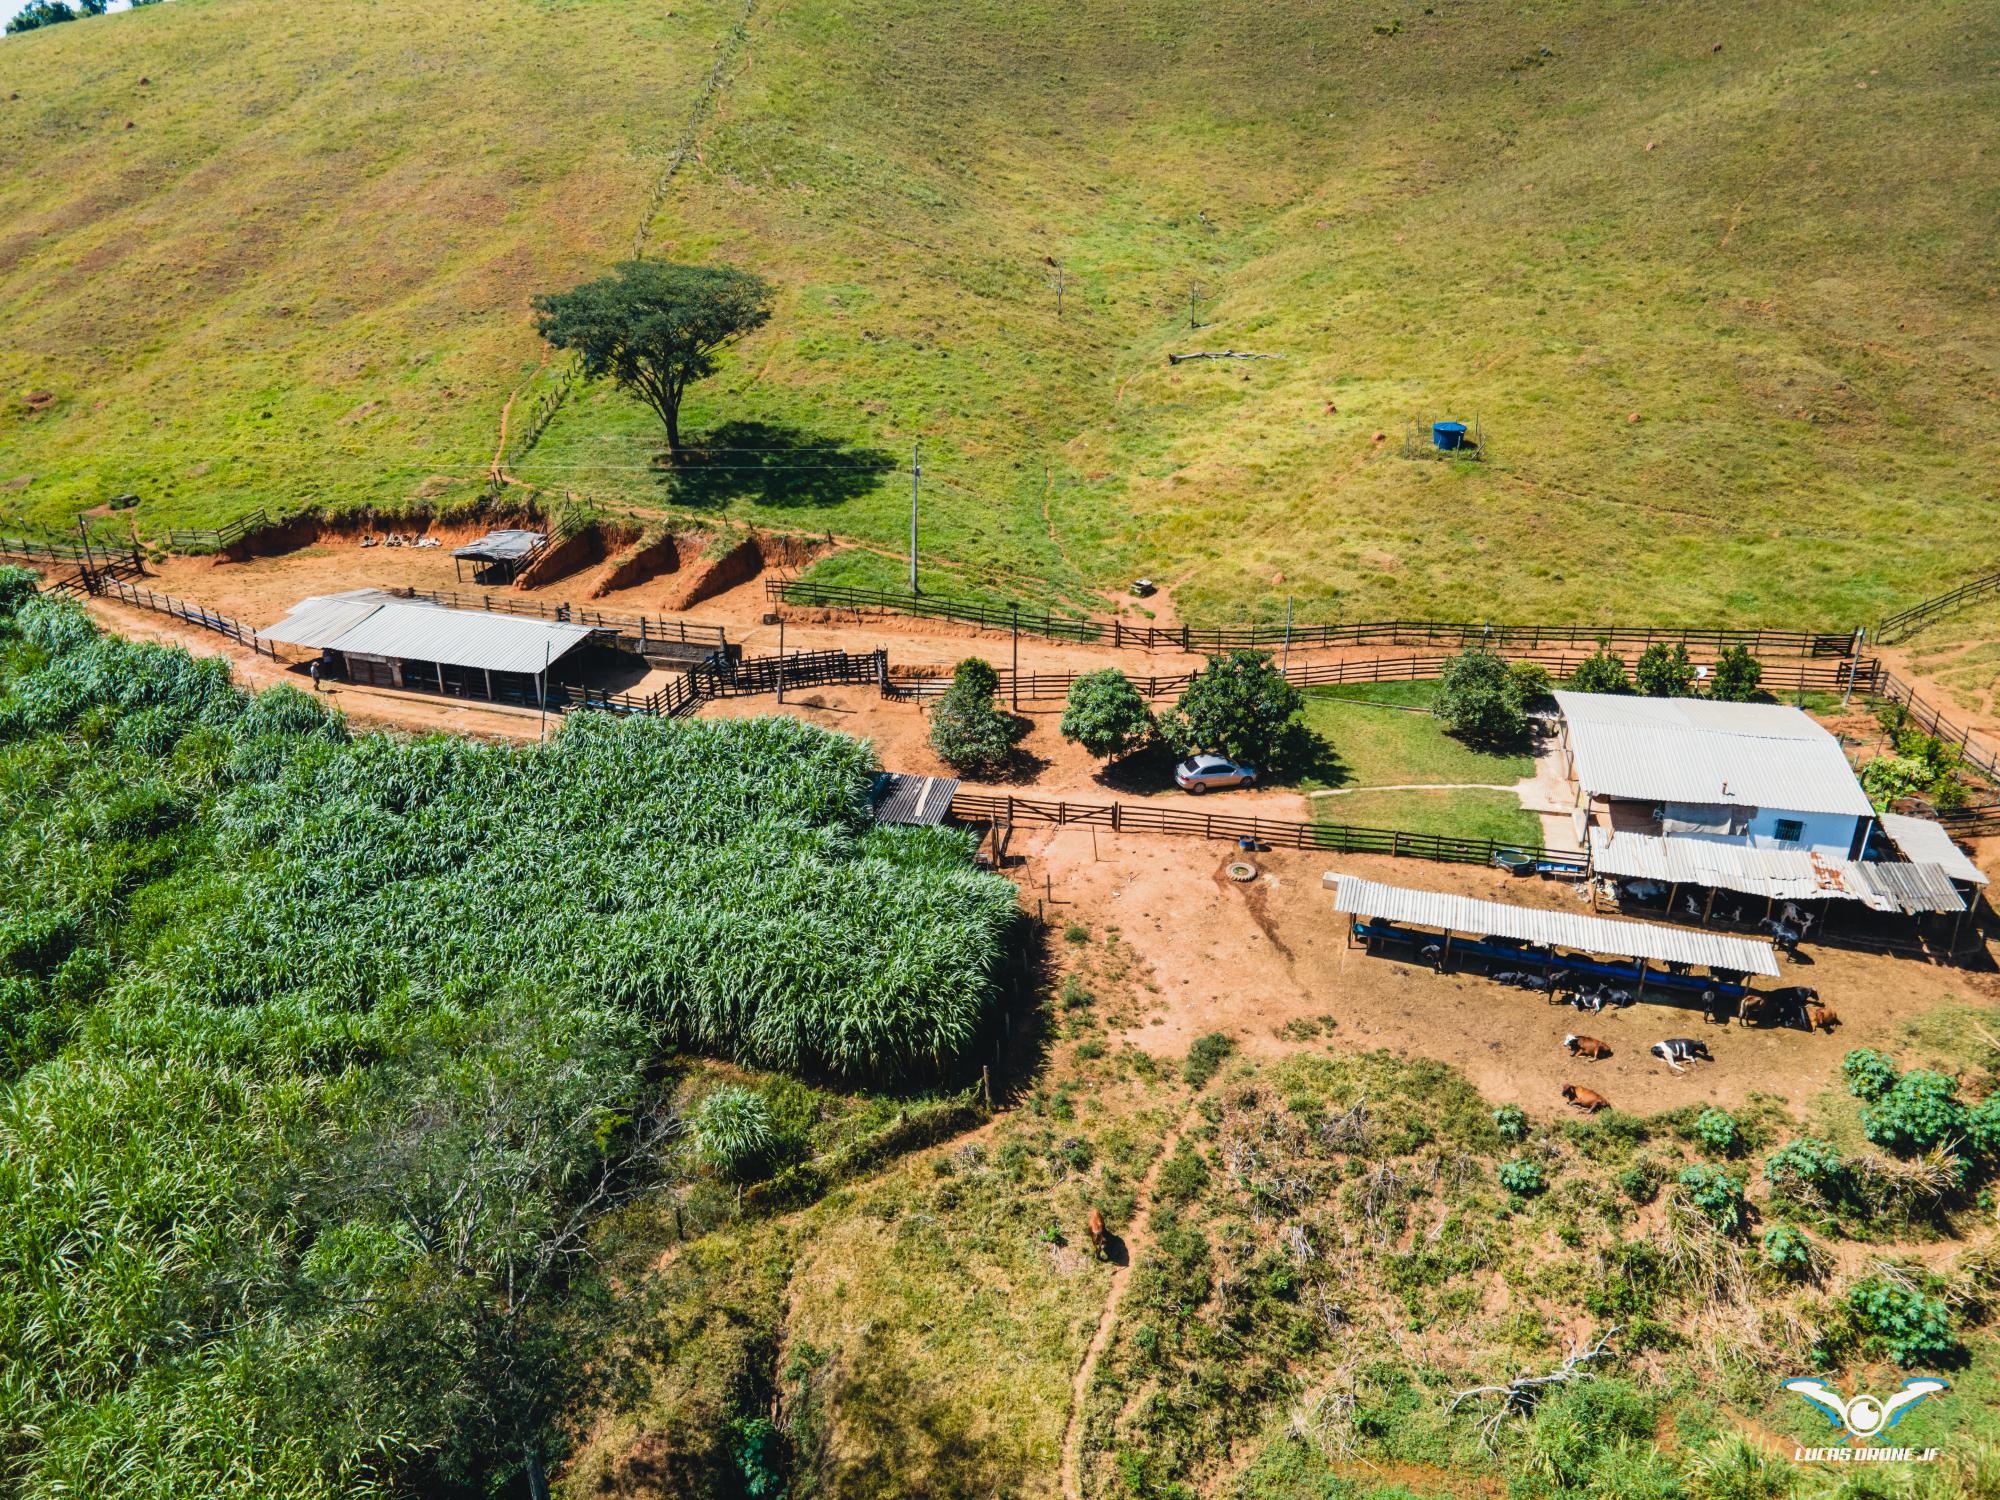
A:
(916, 474)
(1285, 665)
(83, 531)
(1017, 656)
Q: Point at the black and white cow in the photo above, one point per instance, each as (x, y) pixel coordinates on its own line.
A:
(1680, 1049)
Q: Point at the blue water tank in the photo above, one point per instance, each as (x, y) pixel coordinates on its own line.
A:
(1448, 435)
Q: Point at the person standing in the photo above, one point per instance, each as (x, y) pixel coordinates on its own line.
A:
(315, 673)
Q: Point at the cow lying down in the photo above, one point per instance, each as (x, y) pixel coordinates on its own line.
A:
(1680, 1049)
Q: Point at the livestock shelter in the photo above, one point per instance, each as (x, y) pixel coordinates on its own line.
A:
(912, 801)
(1553, 942)
(498, 556)
(377, 640)
(1748, 775)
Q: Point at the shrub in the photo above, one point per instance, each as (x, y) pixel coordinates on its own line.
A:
(1736, 676)
(17, 587)
(1640, 1182)
(1869, 1074)
(968, 732)
(1238, 705)
(1182, 1177)
(1531, 680)
(1911, 1327)
(1664, 671)
(1106, 715)
(1806, 1168)
(1512, 1124)
(1718, 1131)
(734, 1132)
(1919, 1112)
(1600, 672)
(1982, 1126)
(1522, 1176)
(1479, 700)
(1718, 1195)
(1205, 1057)
(1787, 1251)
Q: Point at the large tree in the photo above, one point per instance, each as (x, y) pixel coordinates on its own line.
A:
(655, 327)
(1238, 705)
(1479, 699)
(1106, 715)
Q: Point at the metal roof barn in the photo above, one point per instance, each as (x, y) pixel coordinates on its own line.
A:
(1781, 874)
(1693, 750)
(922, 801)
(1554, 929)
(1926, 842)
(372, 624)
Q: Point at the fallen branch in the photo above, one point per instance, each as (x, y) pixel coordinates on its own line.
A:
(1519, 1395)
(1174, 359)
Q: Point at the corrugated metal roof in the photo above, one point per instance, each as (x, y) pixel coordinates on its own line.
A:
(461, 638)
(1786, 874)
(322, 621)
(919, 800)
(1710, 754)
(1928, 843)
(501, 546)
(1556, 929)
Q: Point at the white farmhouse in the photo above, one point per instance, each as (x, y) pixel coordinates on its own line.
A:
(1753, 775)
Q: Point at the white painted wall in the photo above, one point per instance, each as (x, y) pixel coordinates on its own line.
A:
(1832, 834)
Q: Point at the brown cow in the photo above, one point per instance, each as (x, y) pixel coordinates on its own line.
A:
(1821, 1018)
(1586, 1046)
(1097, 1234)
(1587, 1100)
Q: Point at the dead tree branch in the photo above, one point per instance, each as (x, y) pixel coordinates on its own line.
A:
(1174, 359)
(1519, 1395)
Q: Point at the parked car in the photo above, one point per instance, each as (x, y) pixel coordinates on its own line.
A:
(1200, 773)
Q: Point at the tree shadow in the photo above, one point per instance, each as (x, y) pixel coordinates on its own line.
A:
(1300, 755)
(770, 464)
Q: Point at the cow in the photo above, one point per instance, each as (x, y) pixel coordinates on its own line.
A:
(1587, 1100)
(1586, 1046)
(1780, 1007)
(1097, 1234)
(1714, 1009)
(1821, 1018)
(1676, 1050)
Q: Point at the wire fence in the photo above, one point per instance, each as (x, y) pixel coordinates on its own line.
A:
(1277, 833)
(1112, 632)
(40, 550)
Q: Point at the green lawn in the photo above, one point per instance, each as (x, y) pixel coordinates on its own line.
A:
(1456, 814)
(1715, 307)
(1376, 739)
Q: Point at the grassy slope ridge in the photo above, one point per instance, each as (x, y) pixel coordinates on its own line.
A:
(1550, 217)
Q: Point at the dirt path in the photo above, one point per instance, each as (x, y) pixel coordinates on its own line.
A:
(1419, 786)
(1135, 1239)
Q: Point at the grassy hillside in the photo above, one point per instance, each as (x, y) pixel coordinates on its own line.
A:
(1728, 221)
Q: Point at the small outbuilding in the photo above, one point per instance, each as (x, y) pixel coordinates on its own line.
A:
(499, 556)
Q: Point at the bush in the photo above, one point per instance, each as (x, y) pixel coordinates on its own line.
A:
(1664, 671)
(1479, 700)
(1205, 1058)
(1522, 1177)
(1512, 1124)
(1922, 1110)
(1787, 1251)
(1531, 680)
(1982, 1126)
(1600, 672)
(17, 587)
(734, 1132)
(1869, 1074)
(1912, 1328)
(1806, 1168)
(1718, 1131)
(1106, 715)
(1718, 1195)
(1238, 705)
(1182, 1177)
(1640, 1182)
(1736, 676)
(967, 731)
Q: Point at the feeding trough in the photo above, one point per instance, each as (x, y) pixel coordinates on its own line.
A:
(1242, 871)
(1513, 861)
(1141, 587)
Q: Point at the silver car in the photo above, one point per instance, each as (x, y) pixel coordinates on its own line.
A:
(1200, 773)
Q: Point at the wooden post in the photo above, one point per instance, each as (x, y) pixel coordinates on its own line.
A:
(1709, 907)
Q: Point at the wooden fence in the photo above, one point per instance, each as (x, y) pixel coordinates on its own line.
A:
(722, 676)
(216, 539)
(58, 553)
(1979, 756)
(644, 629)
(1185, 822)
(1913, 619)
(1800, 675)
(100, 582)
(1045, 622)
